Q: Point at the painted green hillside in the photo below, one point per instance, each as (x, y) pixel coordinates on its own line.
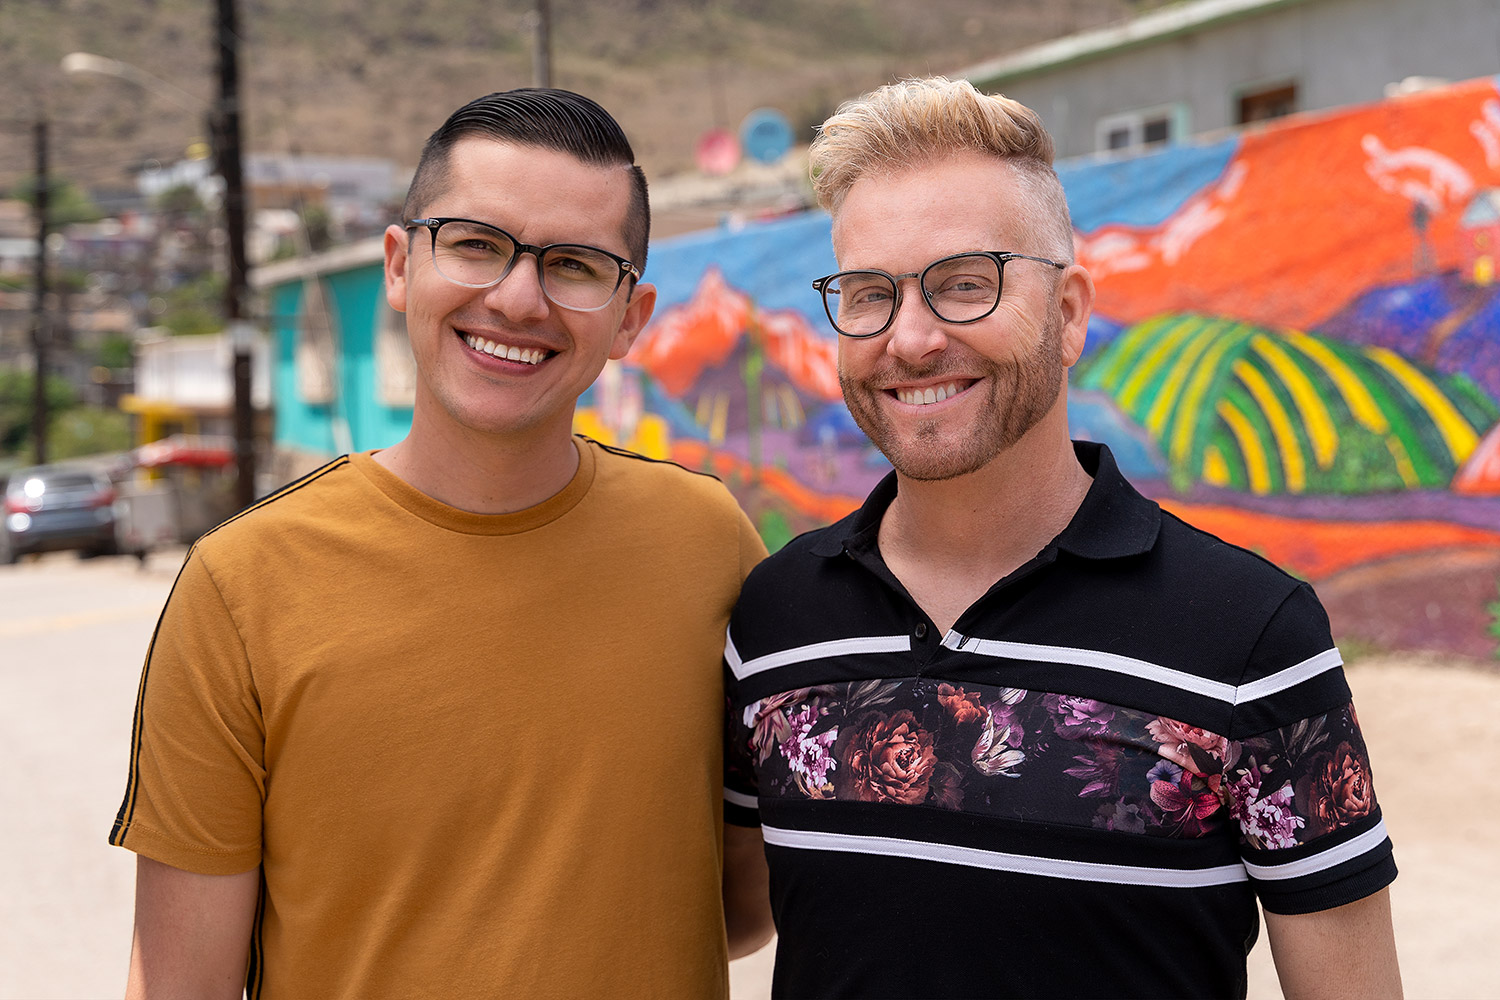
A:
(1268, 411)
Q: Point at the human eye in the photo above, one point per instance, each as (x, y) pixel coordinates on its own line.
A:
(577, 263)
(474, 242)
(863, 291)
(966, 279)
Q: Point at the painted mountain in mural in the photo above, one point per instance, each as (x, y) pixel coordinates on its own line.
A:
(761, 387)
(1265, 411)
(686, 339)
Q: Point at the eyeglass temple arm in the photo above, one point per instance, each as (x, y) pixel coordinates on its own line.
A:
(1026, 256)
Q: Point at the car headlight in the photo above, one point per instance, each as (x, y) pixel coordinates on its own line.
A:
(18, 522)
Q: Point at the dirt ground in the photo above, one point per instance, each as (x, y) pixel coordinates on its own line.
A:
(1433, 729)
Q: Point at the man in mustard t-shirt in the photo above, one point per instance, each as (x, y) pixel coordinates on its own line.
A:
(444, 719)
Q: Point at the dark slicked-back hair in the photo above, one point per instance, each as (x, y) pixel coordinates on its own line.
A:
(548, 119)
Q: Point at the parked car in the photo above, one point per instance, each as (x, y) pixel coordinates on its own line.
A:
(51, 507)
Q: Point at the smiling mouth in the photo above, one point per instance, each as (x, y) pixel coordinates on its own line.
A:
(931, 394)
(525, 355)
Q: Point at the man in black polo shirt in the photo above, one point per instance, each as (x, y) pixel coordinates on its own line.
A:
(1010, 729)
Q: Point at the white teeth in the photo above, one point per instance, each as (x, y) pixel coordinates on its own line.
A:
(530, 355)
(921, 397)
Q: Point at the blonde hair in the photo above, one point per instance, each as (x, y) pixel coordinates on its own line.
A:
(915, 122)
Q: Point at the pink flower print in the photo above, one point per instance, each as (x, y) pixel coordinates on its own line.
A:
(767, 722)
(1198, 750)
(810, 757)
(1266, 821)
(1078, 717)
(1185, 807)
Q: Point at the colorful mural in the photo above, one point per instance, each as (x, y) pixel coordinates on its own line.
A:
(1296, 345)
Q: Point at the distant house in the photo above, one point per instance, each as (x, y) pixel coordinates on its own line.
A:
(342, 373)
(1205, 65)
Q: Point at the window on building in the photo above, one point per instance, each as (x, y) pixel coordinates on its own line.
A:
(395, 368)
(1267, 103)
(1140, 128)
(314, 356)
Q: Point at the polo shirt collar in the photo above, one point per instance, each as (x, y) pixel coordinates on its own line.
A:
(1113, 521)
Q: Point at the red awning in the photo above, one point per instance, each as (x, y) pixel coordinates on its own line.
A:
(192, 450)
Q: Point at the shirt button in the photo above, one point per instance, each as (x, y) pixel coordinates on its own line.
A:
(920, 631)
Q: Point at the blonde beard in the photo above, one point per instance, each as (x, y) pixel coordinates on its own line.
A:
(1020, 394)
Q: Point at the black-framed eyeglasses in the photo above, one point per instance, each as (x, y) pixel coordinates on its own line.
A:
(478, 255)
(962, 288)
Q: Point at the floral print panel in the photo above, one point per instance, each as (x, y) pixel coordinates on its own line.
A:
(1028, 754)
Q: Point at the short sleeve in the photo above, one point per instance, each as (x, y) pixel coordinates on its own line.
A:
(1297, 779)
(197, 777)
(741, 789)
(1311, 832)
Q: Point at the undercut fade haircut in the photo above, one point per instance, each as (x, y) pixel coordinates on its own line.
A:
(916, 122)
(546, 118)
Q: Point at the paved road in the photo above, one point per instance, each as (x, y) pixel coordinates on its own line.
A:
(72, 637)
(73, 634)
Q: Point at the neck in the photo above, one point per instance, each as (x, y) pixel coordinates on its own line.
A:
(984, 525)
(483, 473)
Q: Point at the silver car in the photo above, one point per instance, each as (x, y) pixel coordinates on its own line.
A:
(51, 507)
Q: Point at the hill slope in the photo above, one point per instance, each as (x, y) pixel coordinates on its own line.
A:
(374, 77)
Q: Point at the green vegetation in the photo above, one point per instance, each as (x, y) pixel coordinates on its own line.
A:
(67, 203)
(115, 351)
(16, 388)
(73, 429)
(774, 529)
(195, 307)
(1494, 609)
(87, 430)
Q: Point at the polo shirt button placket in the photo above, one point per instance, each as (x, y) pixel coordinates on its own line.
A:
(920, 632)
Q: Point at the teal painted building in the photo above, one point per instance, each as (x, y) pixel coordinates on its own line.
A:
(342, 373)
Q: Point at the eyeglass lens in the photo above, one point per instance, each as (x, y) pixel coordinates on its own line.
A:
(959, 289)
(476, 255)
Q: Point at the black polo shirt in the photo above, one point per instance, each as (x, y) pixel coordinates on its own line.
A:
(1079, 790)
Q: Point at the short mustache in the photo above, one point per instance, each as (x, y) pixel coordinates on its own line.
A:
(896, 370)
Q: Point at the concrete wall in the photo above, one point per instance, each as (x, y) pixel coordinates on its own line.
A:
(1337, 52)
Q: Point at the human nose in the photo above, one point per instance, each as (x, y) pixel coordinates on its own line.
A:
(915, 330)
(519, 295)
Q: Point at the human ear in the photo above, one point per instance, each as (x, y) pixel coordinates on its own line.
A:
(637, 315)
(1075, 297)
(396, 259)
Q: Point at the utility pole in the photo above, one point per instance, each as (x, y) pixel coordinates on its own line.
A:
(41, 331)
(227, 156)
(541, 63)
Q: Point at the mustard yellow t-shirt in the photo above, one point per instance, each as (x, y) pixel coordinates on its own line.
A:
(475, 755)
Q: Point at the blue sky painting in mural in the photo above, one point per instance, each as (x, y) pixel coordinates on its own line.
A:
(773, 262)
(1141, 190)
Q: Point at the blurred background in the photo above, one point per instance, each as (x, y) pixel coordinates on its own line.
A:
(1291, 209)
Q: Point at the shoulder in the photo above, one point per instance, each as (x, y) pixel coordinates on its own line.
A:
(659, 480)
(786, 581)
(1196, 561)
(326, 493)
